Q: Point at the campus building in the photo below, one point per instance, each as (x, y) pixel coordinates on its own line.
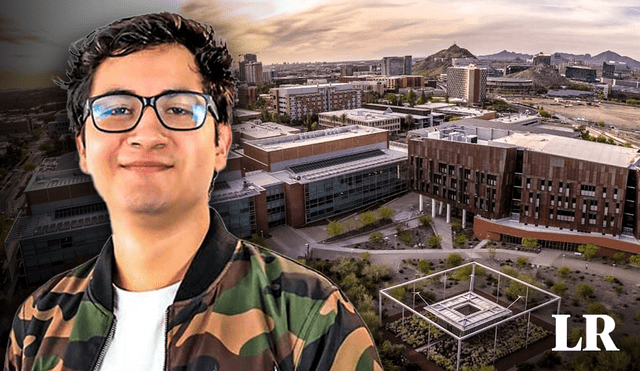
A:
(467, 83)
(388, 119)
(394, 66)
(65, 221)
(507, 85)
(581, 73)
(301, 100)
(562, 191)
(324, 173)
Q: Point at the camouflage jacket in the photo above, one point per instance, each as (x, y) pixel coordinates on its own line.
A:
(239, 307)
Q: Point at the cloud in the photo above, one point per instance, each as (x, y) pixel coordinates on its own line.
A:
(11, 34)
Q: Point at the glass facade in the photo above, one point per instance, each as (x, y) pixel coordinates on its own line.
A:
(276, 205)
(239, 216)
(348, 192)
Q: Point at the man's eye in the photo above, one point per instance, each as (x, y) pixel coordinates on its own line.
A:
(178, 111)
(105, 112)
(118, 111)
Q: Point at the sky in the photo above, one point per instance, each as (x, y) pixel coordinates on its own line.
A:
(35, 35)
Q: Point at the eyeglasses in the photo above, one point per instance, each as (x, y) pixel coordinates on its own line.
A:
(176, 110)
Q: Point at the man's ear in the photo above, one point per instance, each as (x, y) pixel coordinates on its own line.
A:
(222, 148)
(82, 151)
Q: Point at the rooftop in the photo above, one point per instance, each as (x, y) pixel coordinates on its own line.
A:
(313, 137)
(56, 172)
(257, 129)
(46, 223)
(575, 148)
(369, 115)
(314, 171)
(468, 311)
(230, 190)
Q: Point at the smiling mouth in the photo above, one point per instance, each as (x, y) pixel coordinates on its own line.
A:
(146, 167)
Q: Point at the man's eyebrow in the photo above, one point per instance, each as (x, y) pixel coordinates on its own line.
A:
(131, 92)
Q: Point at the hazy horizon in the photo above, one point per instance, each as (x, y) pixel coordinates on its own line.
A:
(35, 37)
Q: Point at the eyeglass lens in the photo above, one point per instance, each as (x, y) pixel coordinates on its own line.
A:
(122, 112)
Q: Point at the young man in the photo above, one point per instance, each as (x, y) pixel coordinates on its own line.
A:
(172, 290)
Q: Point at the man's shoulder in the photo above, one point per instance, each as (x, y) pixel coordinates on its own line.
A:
(291, 275)
(62, 290)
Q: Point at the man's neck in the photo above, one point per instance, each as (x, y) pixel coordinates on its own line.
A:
(152, 252)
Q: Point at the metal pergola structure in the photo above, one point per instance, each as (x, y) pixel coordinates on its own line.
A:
(475, 328)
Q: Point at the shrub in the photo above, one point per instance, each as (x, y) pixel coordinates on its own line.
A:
(376, 237)
(335, 228)
(454, 260)
(434, 241)
(597, 308)
(525, 366)
(584, 290)
(406, 237)
(398, 293)
(609, 278)
(460, 239)
(385, 212)
(564, 272)
(589, 250)
(424, 266)
(425, 220)
(549, 282)
(559, 288)
(522, 261)
(456, 225)
(367, 218)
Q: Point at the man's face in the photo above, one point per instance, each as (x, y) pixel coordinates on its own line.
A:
(152, 169)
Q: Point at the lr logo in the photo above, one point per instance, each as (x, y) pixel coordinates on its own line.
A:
(591, 333)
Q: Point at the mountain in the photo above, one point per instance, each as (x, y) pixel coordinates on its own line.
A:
(504, 56)
(438, 63)
(596, 60)
(542, 76)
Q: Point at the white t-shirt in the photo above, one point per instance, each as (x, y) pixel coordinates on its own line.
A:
(138, 342)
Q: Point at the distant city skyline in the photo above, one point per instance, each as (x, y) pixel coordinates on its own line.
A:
(35, 37)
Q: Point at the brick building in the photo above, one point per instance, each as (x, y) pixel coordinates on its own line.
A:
(301, 100)
(562, 191)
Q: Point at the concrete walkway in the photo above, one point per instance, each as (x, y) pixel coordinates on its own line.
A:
(442, 229)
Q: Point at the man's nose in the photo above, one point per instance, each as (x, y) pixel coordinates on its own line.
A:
(149, 133)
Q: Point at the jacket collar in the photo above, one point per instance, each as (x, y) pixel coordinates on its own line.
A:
(214, 253)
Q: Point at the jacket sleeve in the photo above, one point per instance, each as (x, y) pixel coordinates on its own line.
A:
(336, 338)
(13, 355)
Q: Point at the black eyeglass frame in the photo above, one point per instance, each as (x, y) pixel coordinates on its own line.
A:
(151, 101)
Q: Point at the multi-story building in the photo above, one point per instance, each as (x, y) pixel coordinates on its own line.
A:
(562, 191)
(246, 94)
(467, 83)
(608, 70)
(581, 73)
(506, 85)
(329, 172)
(301, 100)
(60, 124)
(250, 70)
(65, 221)
(360, 116)
(394, 66)
(346, 70)
(542, 59)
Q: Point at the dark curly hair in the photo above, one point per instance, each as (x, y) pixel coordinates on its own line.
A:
(133, 34)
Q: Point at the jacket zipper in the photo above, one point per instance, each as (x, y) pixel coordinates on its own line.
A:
(105, 347)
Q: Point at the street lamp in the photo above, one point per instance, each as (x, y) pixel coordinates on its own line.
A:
(395, 241)
(612, 266)
(563, 255)
(307, 255)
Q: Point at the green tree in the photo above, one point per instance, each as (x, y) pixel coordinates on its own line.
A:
(367, 218)
(453, 260)
(376, 273)
(589, 250)
(597, 308)
(424, 266)
(601, 139)
(549, 359)
(529, 243)
(559, 288)
(385, 212)
(635, 259)
(522, 261)
(564, 272)
(409, 122)
(584, 291)
(29, 166)
(601, 124)
(335, 228)
(398, 293)
(619, 257)
(424, 220)
(376, 237)
(434, 241)
(460, 239)
(371, 319)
